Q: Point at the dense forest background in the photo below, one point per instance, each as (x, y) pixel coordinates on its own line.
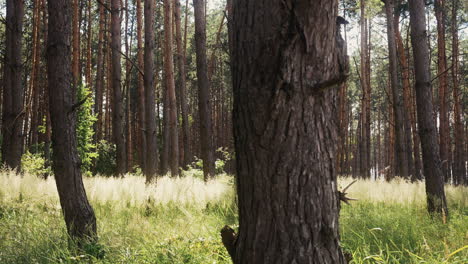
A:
(373, 139)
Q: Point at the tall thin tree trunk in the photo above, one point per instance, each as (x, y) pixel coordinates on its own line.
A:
(444, 137)
(79, 215)
(204, 105)
(459, 168)
(363, 142)
(151, 132)
(117, 111)
(436, 201)
(98, 100)
(182, 86)
(13, 90)
(141, 88)
(170, 86)
(401, 160)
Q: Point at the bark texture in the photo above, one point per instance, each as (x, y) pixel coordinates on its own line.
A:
(151, 163)
(13, 90)
(436, 201)
(117, 110)
(78, 213)
(288, 62)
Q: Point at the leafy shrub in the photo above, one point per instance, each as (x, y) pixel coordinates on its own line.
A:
(85, 131)
(35, 164)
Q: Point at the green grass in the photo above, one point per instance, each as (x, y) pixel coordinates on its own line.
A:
(178, 221)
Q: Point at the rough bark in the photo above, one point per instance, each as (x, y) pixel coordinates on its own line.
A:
(117, 110)
(13, 90)
(436, 201)
(181, 81)
(401, 162)
(287, 66)
(151, 164)
(78, 213)
(76, 46)
(365, 102)
(204, 104)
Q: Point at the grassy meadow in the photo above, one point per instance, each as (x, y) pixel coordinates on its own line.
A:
(178, 221)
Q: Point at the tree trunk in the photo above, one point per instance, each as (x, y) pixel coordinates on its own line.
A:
(288, 62)
(414, 165)
(117, 110)
(141, 88)
(204, 105)
(76, 47)
(170, 86)
(151, 164)
(78, 213)
(182, 86)
(444, 137)
(13, 90)
(365, 104)
(98, 109)
(401, 161)
(459, 169)
(436, 201)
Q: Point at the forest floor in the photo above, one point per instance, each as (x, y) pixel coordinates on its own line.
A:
(178, 221)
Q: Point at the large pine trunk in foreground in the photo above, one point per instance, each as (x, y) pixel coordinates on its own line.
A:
(79, 216)
(13, 91)
(287, 66)
(436, 201)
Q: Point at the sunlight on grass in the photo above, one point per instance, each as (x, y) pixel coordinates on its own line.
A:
(177, 220)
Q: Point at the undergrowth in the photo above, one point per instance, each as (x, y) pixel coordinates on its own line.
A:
(177, 220)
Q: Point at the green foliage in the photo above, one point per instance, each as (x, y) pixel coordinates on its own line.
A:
(35, 164)
(85, 131)
(105, 162)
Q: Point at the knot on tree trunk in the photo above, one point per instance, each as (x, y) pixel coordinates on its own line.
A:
(229, 238)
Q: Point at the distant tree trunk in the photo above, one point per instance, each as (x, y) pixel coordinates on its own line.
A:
(141, 88)
(117, 110)
(414, 165)
(204, 105)
(182, 87)
(78, 213)
(151, 132)
(287, 69)
(365, 105)
(13, 90)
(444, 137)
(98, 109)
(459, 169)
(88, 47)
(170, 86)
(427, 130)
(401, 162)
